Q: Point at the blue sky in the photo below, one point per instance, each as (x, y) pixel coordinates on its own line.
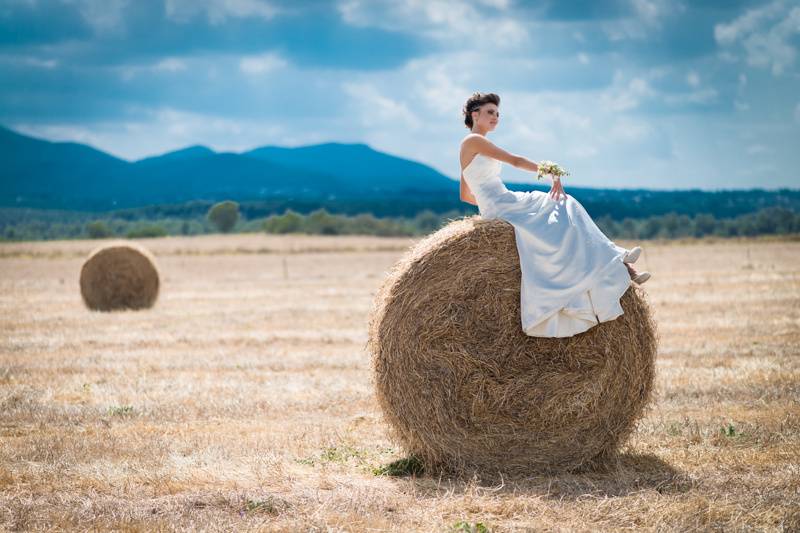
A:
(626, 93)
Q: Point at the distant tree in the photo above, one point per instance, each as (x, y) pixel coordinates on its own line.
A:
(684, 226)
(704, 224)
(289, 222)
(773, 220)
(746, 225)
(98, 229)
(427, 221)
(320, 221)
(224, 215)
(364, 224)
(650, 228)
(628, 228)
(670, 225)
(608, 226)
(146, 230)
(727, 227)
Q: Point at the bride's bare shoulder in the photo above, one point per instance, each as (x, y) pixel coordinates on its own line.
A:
(470, 139)
(470, 142)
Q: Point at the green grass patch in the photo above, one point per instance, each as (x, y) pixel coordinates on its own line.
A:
(341, 454)
(467, 527)
(269, 506)
(120, 410)
(408, 466)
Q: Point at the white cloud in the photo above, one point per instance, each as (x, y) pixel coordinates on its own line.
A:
(653, 11)
(104, 16)
(261, 64)
(625, 95)
(583, 58)
(377, 110)
(161, 130)
(623, 29)
(170, 64)
(447, 21)
(747, 23)
(700, 96)
(438, 91)
(41, 63)
(578, 130)
(217, 11)
(741, 106)
(649, 16)
(127, 72)
(632, 93)
(585, 129)
(59, 132)
(727, 57)
(765, 33)
(497, 4)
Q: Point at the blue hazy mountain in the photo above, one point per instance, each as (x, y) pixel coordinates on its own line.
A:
(67, 175)
(36, 172)
(370, 171)
(190, 152)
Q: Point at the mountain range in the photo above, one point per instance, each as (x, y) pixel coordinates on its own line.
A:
(343, 178)
(67, 175)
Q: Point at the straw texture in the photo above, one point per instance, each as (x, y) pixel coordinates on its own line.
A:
(119, 276)
(462, 387)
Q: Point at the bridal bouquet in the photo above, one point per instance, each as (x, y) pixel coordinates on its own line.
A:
(548, 167)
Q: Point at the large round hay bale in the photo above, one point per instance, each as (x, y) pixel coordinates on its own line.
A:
(119, 276)
(462, 387)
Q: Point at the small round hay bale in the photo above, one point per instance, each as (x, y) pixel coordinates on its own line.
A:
(119, 276)
(462, 387)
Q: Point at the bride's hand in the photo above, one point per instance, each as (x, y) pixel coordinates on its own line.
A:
(557, 190)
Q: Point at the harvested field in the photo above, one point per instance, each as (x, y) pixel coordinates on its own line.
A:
(243, 399)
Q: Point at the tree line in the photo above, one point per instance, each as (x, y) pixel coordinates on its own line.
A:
(227, 217)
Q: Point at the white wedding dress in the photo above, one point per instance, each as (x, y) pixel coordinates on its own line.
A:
(572, 274)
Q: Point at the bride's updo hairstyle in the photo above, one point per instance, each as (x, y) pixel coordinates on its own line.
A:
(475, 102)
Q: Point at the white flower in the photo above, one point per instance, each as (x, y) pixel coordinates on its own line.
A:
(548, 167)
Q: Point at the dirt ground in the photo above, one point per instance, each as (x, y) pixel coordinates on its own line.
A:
(242, 400)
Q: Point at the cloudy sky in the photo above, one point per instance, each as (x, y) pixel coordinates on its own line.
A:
(652, 93)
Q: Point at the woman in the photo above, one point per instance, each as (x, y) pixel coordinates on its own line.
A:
(572, 275)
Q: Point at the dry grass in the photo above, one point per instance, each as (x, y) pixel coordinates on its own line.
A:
(242, 400)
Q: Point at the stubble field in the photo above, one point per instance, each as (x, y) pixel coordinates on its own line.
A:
(243, 401)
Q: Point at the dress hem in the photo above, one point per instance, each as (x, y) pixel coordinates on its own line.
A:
(586, 286)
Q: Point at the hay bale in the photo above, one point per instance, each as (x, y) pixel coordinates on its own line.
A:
(119, 276)
(463, 388)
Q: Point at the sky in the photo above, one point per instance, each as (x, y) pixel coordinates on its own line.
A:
(661, 94)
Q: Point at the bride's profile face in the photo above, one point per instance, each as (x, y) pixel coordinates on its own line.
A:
(486, 118)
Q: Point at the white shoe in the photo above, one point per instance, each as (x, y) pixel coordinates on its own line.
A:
(632, 255)
(641, 277)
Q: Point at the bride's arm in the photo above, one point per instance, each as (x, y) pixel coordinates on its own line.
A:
(484, 146)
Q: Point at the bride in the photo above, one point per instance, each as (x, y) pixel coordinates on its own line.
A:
(572, 274)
